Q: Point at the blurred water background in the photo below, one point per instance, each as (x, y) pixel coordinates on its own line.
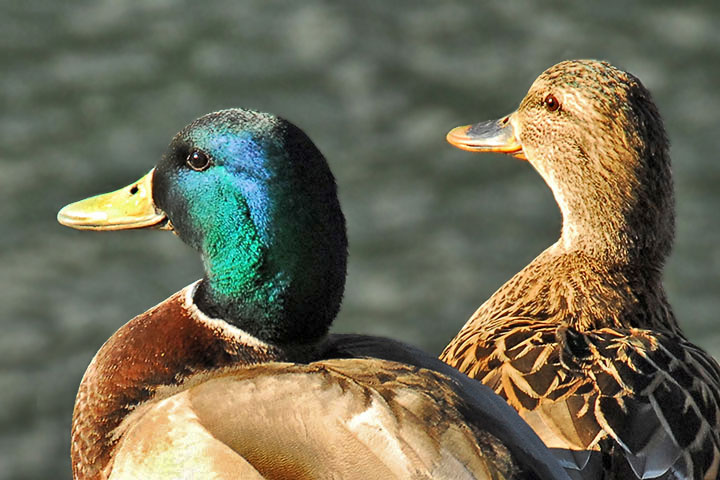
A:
(92, 91)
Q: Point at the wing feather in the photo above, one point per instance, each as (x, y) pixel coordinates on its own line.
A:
(651, 394)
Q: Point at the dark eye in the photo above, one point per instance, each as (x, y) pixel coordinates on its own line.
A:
(551, 103)
(198, 161)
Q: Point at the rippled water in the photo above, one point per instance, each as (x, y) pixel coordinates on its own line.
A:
(92, 91)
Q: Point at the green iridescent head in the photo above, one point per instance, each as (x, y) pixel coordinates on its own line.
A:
(256, 198)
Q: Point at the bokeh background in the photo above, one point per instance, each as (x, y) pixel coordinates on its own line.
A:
(92, 91)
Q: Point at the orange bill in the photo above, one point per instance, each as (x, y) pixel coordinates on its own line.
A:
(491, 136)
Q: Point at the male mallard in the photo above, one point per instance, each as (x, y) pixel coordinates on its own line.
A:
(582, 341)
(235, 375)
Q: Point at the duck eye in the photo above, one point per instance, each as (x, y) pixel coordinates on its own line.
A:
(198, 161)
(551, 103)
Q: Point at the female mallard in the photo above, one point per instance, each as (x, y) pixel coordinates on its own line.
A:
(582, 341)
(235, 375)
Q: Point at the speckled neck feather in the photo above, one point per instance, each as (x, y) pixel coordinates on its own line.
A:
(581, 291)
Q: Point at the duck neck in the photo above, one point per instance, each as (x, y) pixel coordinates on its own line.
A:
(279, 277)
(626, 219)
(238, 286)
(619, 238)
(606, 268)
(610, 263)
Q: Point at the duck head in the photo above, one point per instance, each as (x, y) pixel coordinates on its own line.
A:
(594, 134)
(256, 198)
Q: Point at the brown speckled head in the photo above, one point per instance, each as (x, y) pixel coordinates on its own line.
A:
(594, 134)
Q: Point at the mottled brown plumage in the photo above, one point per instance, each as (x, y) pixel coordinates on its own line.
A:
(582, 341)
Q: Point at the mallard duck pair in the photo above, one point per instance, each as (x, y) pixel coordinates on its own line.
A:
(235, 376)
(582, 341)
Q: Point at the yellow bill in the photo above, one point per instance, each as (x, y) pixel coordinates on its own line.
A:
(124, 209)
